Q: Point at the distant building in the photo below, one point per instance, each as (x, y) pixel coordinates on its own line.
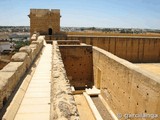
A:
(6, 46)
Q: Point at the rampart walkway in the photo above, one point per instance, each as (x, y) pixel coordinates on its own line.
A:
(36, 102)
(154, 68)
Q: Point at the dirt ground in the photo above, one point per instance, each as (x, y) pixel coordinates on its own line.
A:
(83, 108)
(101, 108)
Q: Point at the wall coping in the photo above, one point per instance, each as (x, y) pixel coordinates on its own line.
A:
(154, 79)
(98, 36)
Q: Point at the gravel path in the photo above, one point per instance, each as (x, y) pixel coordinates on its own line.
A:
(101, 108)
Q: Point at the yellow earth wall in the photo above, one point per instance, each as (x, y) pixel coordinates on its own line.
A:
(78, 63)
(133, 49)
(124, 86)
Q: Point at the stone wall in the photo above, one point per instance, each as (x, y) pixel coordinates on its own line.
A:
(63, 106)
(68, 42)
(12, 73)
(78, 63)
(41, 20)
(133, 49)
(3, 63)
(125, 86)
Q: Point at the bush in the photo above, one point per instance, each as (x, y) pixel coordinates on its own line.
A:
(19, 44)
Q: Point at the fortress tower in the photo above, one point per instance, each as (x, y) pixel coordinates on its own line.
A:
(44, 21)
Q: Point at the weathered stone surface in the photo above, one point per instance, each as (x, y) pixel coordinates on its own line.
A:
(19, 57)
(78, 64)
(26, 49)
(13, 66)
(7, 85)
(39, 19)
(124, 86)
(63, 106)
(18, 68)
(3, 82)
(34, 37)
(35, 42)
(35, 49)
(33, 46)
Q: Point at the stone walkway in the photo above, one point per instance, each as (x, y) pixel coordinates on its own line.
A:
(36, 102)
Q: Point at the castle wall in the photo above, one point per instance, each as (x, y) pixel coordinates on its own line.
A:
(63, 106)
(133, 49)
(78, 64)
(124, 86)
(12, 73)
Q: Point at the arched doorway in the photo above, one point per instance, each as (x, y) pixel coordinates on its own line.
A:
(50, 31)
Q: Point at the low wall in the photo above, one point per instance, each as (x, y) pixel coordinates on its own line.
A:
(78, 63)
(68, 42)
(12, 73)
(63, 106)
(124, 86)
(134, 49)
(3, 63)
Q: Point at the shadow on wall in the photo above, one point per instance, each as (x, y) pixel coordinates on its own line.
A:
(78, 63)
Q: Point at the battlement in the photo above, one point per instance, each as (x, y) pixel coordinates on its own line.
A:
(55, 10)
(43, 12)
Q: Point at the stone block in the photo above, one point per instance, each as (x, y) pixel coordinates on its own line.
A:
(7, 85)
(18, 68)
(34, 37)
(34, 47)
(35, 42)
(19, 57)
(40, 42)
(26, 49)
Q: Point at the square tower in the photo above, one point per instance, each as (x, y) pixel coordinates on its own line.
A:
(44, 21)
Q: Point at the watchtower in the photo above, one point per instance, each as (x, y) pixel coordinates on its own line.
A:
(44, 21)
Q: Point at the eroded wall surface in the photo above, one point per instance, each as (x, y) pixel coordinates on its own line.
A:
(78, 63)
(133, 49)
(63, 106)
(124, 86)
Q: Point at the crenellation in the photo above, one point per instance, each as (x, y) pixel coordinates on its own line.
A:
(12, 73)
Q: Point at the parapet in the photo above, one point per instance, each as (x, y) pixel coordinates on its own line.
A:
(43, 12)
(55, 10)
(12, 73)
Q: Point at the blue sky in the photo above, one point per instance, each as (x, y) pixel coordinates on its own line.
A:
(87, 13)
